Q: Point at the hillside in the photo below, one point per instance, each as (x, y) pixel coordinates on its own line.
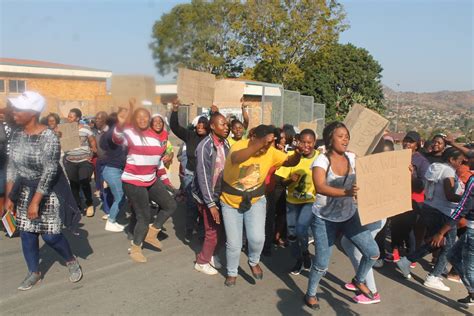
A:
(441, 100)
(443, 111)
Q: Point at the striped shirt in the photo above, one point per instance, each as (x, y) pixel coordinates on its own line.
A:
(144, 155)
(465, 207)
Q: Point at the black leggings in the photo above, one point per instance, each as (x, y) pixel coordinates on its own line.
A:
(79, 175)
(140, 198)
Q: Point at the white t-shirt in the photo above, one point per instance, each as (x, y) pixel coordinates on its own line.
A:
(335, 209)
(435, 195)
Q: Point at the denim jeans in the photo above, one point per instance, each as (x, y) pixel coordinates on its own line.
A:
(300, 215)
(461, 256)
(140, 198)
(355, 255)
(192, 212)
(325, 235)
(113, 177)
(434, 220)
(234, 221)
(30, 246)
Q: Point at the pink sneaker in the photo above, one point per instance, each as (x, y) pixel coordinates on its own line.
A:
(362, 299)
(350, 287)
(413, 265)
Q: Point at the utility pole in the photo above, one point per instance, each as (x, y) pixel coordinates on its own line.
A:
(398, 108)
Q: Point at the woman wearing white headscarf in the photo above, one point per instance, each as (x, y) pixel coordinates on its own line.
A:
(38, 188)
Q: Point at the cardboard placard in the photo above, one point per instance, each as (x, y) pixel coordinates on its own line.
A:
(196, 87)
(69, 136)
(384, 182)
(124, 87)
(366, 128)
(228, 93)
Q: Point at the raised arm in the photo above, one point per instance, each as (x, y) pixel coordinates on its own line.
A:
(245, 115)
(178, 130)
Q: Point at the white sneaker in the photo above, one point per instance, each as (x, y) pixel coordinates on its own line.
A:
(435, 283)
(105, 217)
(205, 268)
(114, 227)
(216, 262)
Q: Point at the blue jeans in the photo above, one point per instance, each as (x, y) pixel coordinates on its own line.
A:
(30, 246)
(299, 217)
(325, 235)
(192, 212)
(461, 257)
(354, 254)
(434, 220)
(113, 177)
(254, 221)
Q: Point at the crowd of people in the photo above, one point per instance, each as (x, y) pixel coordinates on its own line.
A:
(245, 190)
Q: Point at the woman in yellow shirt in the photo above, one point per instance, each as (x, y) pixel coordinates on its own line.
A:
(243, 198)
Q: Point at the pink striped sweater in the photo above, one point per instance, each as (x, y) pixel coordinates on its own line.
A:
(144, 155)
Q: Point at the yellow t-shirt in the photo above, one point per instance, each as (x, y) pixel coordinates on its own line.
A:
(250, 174)
(232, 141)
(301, 191)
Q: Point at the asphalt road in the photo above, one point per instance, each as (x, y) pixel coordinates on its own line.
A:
(168, 285)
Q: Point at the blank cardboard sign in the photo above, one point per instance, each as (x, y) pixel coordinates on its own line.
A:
(366, 128)
(384, 182)
(69, 136)
(196, 87)
(228, 93)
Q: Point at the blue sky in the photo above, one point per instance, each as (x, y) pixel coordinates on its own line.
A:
(422, 45)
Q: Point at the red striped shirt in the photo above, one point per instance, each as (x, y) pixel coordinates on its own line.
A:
(144, 155)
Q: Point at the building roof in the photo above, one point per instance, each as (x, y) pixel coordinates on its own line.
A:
(37, 67)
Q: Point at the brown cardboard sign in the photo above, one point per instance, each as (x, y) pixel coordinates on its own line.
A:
(228, 93)
(384, 182)
(69, 136)
(196, 87)
(366, 128)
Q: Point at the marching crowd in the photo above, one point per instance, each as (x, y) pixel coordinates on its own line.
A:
(245, 190)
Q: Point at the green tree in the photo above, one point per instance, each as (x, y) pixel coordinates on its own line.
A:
(284, 32)
(269, 38)
(340, 76)
(201, 35)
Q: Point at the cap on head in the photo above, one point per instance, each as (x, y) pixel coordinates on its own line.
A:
(29, 101)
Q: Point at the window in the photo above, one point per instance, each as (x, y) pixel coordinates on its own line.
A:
(16, 86)
(2, 86)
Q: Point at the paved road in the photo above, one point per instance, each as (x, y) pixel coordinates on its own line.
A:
(168, 285)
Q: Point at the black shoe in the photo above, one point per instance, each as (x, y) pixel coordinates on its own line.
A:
(307, 262)
(468, 300)
(297, 268)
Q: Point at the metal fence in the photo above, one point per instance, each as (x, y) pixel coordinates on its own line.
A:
(267, 104)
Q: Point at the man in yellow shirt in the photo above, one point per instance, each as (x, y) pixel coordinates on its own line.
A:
(299, 201)
(243, 198)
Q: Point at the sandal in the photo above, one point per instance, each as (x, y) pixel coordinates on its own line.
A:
(363, 288)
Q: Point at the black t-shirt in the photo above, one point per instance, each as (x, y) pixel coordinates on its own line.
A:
(432, 158)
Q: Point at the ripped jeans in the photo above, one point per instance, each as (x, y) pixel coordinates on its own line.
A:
(325, 235)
